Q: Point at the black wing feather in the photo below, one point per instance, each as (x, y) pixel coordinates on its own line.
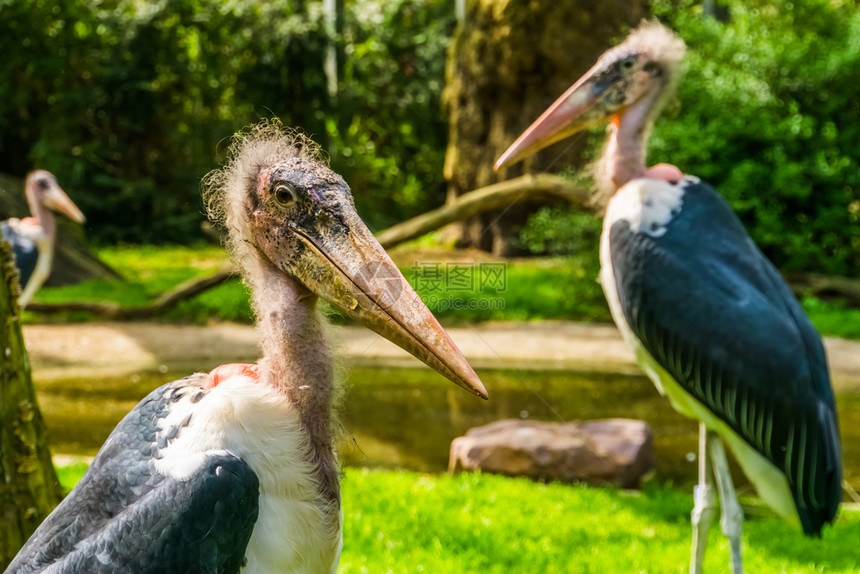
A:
(25, 252)
(718, 317)
(124, 517)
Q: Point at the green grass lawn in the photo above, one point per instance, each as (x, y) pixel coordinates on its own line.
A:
(455, 289)
(404, 522)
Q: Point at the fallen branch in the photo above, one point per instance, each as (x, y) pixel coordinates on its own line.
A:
(523, 188)
(825, 287)
(165, 301)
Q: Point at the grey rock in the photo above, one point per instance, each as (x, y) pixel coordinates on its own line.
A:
(600, 452)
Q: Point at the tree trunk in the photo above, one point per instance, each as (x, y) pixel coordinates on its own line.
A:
(29, 488)
(509, 60)
(73, 261)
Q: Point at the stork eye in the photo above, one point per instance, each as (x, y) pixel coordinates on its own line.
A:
(285, 194)
(628, 63)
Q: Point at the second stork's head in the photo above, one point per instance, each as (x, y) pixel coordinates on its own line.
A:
(627, 86)
(286, 212)
(42, 190)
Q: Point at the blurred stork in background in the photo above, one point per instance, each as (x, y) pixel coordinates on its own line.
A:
(710, 319)
(32, 238)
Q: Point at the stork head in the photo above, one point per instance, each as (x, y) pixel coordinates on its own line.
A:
(638, 73)
(282, 205)
(42, 189)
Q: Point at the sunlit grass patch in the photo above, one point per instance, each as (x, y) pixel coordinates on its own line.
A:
(406, 522)
(403, 522)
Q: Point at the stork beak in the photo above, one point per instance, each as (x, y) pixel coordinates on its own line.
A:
(56, 199)
(356, 275)
(582, 106)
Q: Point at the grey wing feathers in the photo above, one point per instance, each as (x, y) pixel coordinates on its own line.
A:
(200, 525)
(124, 517)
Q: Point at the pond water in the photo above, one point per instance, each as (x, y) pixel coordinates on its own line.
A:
(407, 418)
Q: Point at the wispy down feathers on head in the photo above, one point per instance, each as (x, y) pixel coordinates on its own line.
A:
(657, 41)
(226, 190)
(257, 146)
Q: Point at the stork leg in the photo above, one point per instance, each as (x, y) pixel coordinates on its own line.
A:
(705, 503)
(732, 516)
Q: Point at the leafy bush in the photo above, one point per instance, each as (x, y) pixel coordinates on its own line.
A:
(387, 135)
(129, 102)
(769, 114)
(561, 230)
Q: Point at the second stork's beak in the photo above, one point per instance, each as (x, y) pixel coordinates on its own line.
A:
(590, 101)
(353, 272)
(56, 199)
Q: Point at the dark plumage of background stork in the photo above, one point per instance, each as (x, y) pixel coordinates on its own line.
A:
(710, 319)
(32, 238)
(235, 470)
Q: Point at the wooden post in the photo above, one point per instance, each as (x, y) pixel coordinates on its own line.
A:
(29, 488)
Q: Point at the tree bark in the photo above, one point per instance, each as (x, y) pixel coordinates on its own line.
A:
(29, 488)
(509, 60)
(73, 261)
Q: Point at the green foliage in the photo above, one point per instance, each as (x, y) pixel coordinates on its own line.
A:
(387, 136)
(768, 114)
(122, 105)
(127, 102)
(130, 103)
(562, 230)
(531, 289)
(834, 319)
(403, 522)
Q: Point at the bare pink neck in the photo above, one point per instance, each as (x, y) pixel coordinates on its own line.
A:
(623, 157)
(296, 358)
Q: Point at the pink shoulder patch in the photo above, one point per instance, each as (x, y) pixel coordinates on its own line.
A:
(31, 221)
(224, 372)
(664, 171)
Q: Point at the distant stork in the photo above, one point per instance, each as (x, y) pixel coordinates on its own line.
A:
(710, 319)
(32, 238)
(235, 470)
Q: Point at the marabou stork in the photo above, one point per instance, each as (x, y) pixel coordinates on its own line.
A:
(710, 319)
(235, 470)
(32, 238)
